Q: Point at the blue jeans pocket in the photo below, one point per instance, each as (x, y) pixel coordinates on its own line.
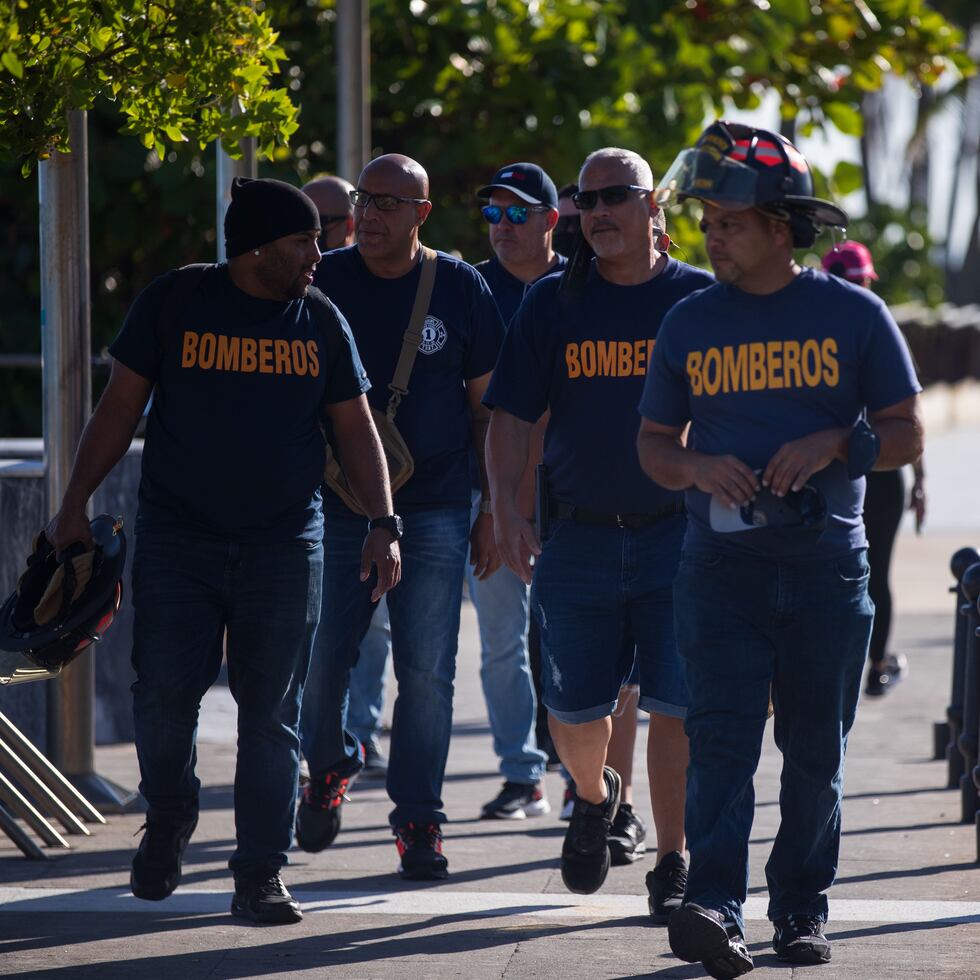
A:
(853, 569)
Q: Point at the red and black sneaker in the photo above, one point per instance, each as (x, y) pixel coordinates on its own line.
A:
(420, 850)
(318, 814)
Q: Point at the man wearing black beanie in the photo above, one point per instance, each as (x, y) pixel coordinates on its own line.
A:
(243, 360)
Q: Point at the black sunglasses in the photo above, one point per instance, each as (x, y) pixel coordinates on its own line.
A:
(383, 202)
(326, 220)
(517, 214)
(616, 194)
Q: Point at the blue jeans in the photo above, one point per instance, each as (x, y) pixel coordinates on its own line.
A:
(803, 627)
(603, 598)
(367, 678)
(187, 592)
(424, 613)
(501, 609)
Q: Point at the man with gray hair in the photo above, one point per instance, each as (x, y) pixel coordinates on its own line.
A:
(609, 538)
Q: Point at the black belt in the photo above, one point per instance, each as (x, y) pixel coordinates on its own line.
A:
(571, 512)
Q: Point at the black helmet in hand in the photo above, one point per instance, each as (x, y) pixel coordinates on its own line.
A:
(63, 604)
(736, 167)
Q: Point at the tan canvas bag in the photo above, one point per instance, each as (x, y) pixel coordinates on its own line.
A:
(397, 455)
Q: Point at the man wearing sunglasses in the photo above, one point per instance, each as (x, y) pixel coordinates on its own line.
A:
(331, 195)
(606, 559)
(520, 209)
(442, 421)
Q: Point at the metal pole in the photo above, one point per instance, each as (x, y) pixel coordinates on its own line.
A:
(67, 395)
(353, 88)
(227, 171)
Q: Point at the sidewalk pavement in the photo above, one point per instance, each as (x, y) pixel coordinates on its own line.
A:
(906, 902)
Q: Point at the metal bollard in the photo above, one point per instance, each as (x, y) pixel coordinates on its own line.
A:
(966, 741)
(946, 733)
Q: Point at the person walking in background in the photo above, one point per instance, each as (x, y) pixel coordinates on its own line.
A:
(331, 195)
(569, 224)
(365, 711)
(884, 505)
(520, 211)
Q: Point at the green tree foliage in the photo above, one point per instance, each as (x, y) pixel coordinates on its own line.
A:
(178, 70)
(465, 86)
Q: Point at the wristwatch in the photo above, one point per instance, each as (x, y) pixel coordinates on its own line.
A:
(862, 450)
(486, 506)
(392, 523)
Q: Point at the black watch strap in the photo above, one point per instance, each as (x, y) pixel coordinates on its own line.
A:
(862, 450)
(391, 523)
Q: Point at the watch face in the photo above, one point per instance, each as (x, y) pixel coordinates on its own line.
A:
(392, 523)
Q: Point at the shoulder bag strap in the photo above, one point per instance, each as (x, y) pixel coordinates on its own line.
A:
(413, 335)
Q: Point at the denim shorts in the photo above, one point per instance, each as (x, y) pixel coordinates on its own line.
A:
(602, 596)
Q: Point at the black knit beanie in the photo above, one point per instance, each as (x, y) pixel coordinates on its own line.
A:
(262, 211)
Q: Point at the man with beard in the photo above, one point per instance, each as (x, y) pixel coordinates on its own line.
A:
(242, 360)
(580, 346)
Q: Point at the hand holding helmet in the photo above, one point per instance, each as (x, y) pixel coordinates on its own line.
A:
(65, 601)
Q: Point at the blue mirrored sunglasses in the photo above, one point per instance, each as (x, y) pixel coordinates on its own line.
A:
(517, 214)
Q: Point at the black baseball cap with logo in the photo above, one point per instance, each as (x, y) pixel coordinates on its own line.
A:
(527, 180)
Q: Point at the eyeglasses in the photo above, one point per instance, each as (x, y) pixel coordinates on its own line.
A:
(383, 202)
(517, 214)
(586, 200)
(326, 220)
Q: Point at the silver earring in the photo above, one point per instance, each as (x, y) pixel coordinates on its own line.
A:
(256, 252)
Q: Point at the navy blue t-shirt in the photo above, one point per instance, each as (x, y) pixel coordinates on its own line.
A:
(507, 289)
(460, 341)
(233, 443)
(754, 372)
(509, 293)
(586, 360)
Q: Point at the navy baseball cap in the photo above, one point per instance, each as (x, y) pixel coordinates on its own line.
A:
(527, 180)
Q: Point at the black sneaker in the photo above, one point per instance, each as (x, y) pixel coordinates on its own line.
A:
(156, 864)
(585, 853)
(800, 939)
(420, 850)
(517, 801)
(318, 814)
(884, 674)
(262, 897)
(375, 763)
(627, 837)
(665, 887)
(699, 934)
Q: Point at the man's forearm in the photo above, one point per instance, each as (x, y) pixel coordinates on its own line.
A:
(901, 442)
(364, 464)
(507, 450)
(104, 441)
(666, 460)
